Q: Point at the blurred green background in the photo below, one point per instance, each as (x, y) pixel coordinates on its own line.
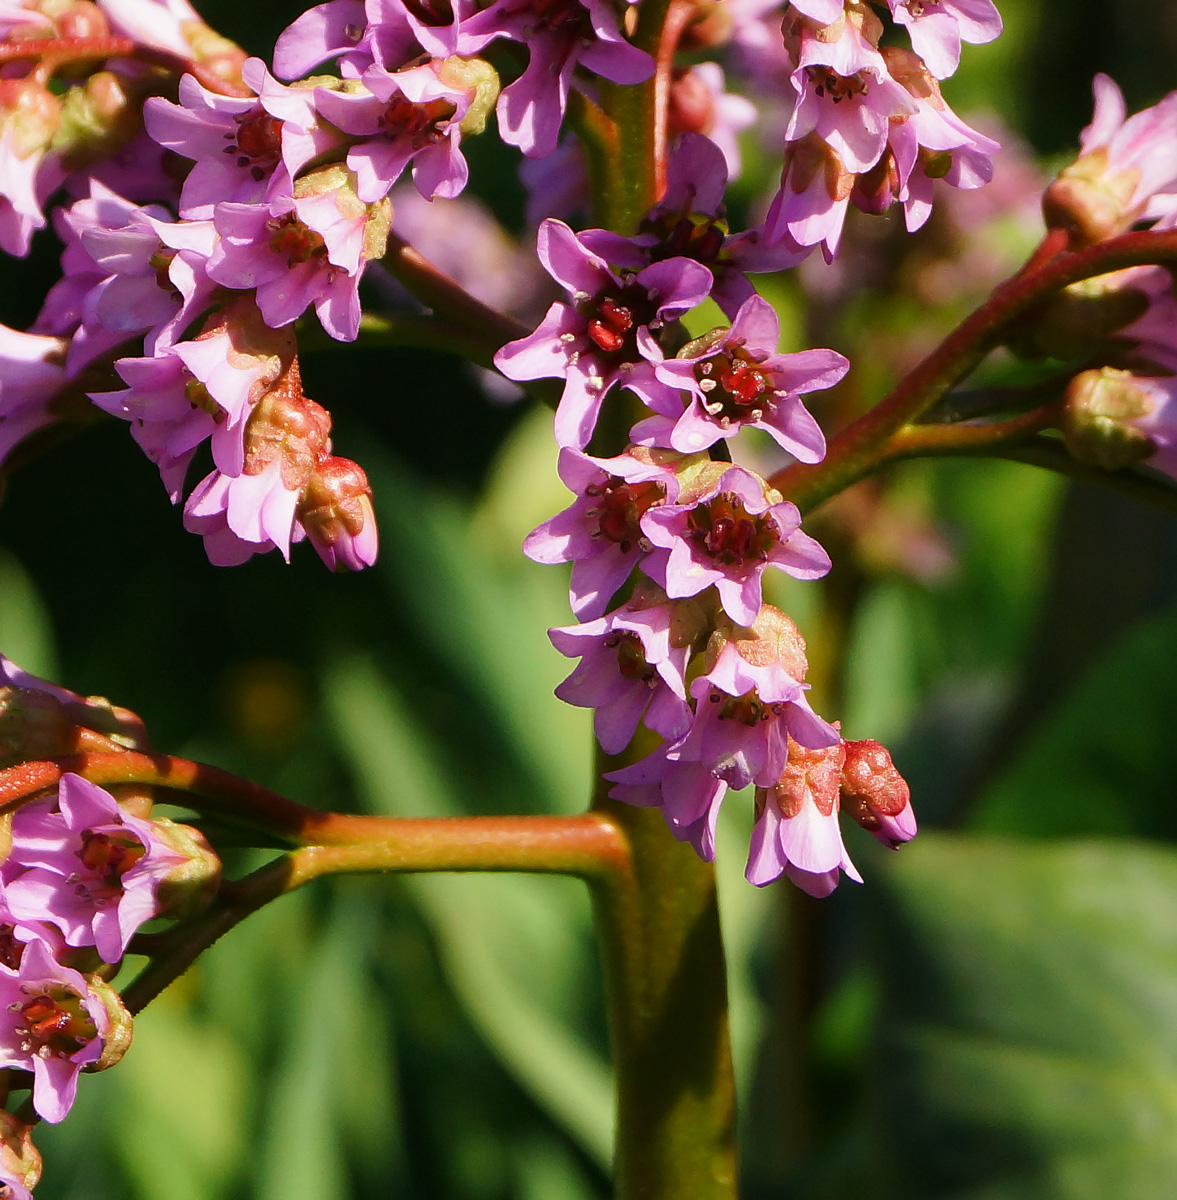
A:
(992, 1016)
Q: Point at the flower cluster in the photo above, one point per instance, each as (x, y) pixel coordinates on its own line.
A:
(862, 122)
(669, 540)
(83, 872)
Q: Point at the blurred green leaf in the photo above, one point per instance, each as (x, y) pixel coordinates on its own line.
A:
(1102, 763)
(513, 948)
(1027, 1028)
(25, 633)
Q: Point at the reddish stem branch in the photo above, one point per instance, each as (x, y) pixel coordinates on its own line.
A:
(915, 441)
(588, 845)
(857, 450)
(53, 53)
(678, 16)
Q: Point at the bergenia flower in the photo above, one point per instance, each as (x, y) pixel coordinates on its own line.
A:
(29, 117)
(600, 532)
(875, 794)
(53, 1022)
(735, 377)
(560, 36)
(1126, 170)
(335, 509)
(724, 536)
(83, 864)
(796, 831)
(629, 670)
(596, 341)
(937, 28)
(32, 375)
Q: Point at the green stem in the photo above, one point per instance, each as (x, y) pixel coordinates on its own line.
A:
(859, 448)
(667, 995)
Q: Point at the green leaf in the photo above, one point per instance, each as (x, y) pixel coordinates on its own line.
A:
(1027, 1026)
(1102, 762)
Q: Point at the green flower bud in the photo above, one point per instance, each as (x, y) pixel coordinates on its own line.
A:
(1097, 425)
(477, 74)
(188, 888)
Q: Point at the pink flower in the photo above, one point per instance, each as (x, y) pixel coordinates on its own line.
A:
(796, 831)
(29, 118)
(724, 537)
(600, 532)
(1126, 171)
(629, 670)
(54, 1024)
(597, 341)
(937, 28)
(734, 377)
(83, 864)
(32, 373)
(560, 36)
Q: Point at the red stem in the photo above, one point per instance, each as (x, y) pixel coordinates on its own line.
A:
(588, 845)
(860, 447)
(678, 16)
(55, 52)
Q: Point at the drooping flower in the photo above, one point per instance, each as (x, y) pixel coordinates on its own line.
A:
(875, 794)
(32, 375)
(937, 28)
(796, 832)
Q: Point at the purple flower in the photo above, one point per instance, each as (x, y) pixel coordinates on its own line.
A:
(129, 271)
(309, 248)
(796, 831)
(83, 864)
(55, 1022)
(600, 532)
(937, 28)
(236, 145)
(596, 342)
(724, 536)
(560, 36)
(687, 793)
(689, 222)
(332, 30)
(32, 373)
(414, 116)
(629, 669)
(734, 377)
(29, 174)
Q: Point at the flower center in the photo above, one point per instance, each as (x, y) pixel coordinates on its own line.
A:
(728, 532)
(57, 1023)
(695, 236)
(620, 507)
(110, 856)
(11, 949)
(257, 142)
(613, 320)
(421, 123)
(292, 240)
(838, 87)
(561, 16)
(732, 387)
(631, 657)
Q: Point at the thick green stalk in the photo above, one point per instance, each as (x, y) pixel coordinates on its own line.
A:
(667, 992)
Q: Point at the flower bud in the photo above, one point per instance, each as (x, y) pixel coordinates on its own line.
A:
(117, 1039)
(29, 115)
(33, 725)
(1079, 320)
(1090, 201)
(186, 890)
(336, 511)
(20, 1163)
(97, 117)
(710, 25)
(82, 19)
(1098, 428)
(338, 179)
(875, 794)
